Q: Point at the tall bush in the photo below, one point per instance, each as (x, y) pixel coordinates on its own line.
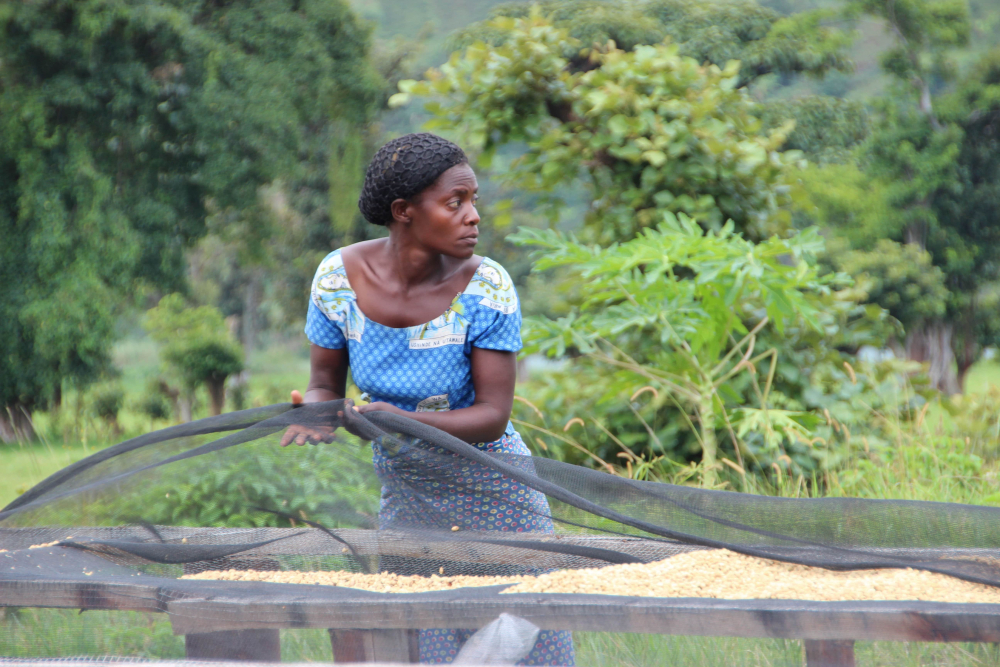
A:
(197, 346)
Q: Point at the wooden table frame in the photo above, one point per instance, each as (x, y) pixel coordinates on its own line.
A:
(242, 620)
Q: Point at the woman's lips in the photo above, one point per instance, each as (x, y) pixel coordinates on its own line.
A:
(470, 240)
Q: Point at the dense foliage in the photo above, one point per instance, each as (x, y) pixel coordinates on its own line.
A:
(651, 130)
(217, 149)
(674, 308)
(927, 177)
(761, 39)
(122, 127)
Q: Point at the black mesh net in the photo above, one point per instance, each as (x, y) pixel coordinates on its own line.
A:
(125, 528)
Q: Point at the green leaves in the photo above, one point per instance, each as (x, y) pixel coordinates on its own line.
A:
(123, 125)
(686, 278)
(671, 308)
(196, 342)
(653, 130)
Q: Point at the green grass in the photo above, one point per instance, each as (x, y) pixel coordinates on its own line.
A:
(24, 465)
(983, 376)
(594, 649)
(63, 633)
(59, 633)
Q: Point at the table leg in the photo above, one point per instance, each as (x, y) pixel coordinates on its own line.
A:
(374, 646)
(253, 645)
(829, 652)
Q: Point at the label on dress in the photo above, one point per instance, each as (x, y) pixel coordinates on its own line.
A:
(434, 404)
(505, 309)
(437, 341)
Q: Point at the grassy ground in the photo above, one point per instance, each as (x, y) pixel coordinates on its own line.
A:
(23, 466)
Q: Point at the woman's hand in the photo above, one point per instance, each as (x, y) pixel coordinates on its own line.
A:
(381, 406)
(301, 435)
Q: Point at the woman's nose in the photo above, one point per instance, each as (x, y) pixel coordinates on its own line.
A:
(472, 218)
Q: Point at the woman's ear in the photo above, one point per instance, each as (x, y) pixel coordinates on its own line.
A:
(401, 211)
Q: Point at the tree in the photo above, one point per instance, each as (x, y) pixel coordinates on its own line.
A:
(197, 346)
(898, 277)
(931, 159)
(125, 125)
(761, 39)
(827, 129)
(651, 130)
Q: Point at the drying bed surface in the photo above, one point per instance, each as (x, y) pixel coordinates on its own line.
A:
(715, 573)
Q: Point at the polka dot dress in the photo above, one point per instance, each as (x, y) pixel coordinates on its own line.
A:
(431, 487)
(420, 487)
(428, 368)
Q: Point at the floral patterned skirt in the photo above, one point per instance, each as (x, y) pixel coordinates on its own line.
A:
(424, 487)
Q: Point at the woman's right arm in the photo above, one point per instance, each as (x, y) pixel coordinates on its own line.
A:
(327, 374)
(327, 382)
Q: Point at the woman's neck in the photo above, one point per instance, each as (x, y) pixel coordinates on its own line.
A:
(413, 265)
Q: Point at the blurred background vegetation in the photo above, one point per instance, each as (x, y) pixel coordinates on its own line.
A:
(757, 242)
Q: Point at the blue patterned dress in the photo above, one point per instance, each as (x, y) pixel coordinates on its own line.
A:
(428, 368)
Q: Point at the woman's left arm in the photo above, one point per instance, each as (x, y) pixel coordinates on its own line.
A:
(493, 376)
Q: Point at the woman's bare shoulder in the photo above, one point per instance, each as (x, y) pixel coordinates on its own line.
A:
(362, 249)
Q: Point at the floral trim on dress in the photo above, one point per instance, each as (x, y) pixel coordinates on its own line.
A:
(447, 329)
(333, 295)
(493, 284)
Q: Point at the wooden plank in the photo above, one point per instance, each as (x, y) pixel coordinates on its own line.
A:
(81, 595)
(204, 606)
(395, 646)
(348, 646)
(249, 645)
(825, 653)
(910, 621)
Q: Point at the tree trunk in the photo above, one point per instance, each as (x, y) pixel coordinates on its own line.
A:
(15, 423)
(217, 395)
(251, 302)
(175, 398)
(965, 361)
(186, 404)
(706, 417)
(931, 343)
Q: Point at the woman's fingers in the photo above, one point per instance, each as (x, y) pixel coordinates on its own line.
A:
(296, 397)
(302, 435)
(296, 434)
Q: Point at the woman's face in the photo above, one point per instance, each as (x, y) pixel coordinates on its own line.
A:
(443, 218)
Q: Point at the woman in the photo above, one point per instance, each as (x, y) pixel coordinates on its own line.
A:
(429, 330)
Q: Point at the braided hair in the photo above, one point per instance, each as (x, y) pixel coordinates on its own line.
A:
(403, 168)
